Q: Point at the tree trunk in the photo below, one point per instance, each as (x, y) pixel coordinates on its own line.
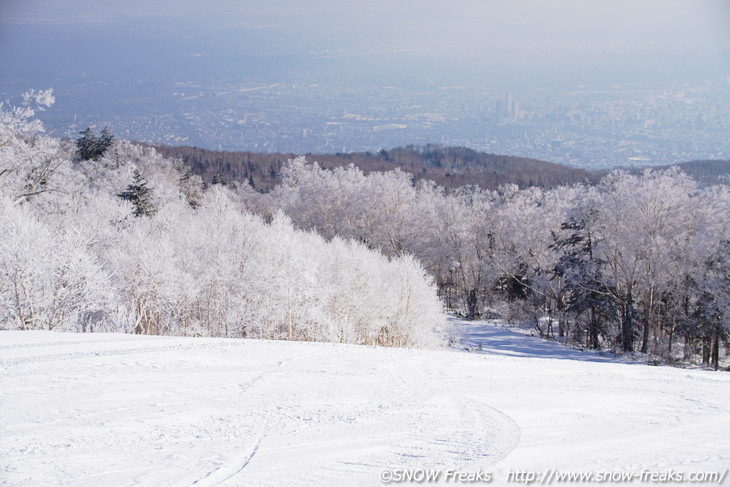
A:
(687, 347)
(716, 346)
(648, 323)
(593, 339)
(627, 324)
(472, 305)
(706, 347)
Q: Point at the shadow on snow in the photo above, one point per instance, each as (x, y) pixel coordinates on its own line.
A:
(494, 338)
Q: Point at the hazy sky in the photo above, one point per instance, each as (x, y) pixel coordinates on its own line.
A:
(520, 39)
(560, 41)
(419, 24)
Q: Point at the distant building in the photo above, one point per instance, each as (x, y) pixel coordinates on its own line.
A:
(507, 109)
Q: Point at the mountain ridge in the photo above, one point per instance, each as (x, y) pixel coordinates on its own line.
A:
(450, 167)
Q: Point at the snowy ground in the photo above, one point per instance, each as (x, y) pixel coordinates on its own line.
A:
(122, 410)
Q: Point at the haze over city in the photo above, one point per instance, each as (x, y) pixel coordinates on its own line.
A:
(593, 84)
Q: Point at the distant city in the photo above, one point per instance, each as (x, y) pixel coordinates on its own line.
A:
(582, 127)
(608, 90)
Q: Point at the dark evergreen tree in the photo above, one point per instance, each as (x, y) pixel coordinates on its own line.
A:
(516, 285)
(140, 195)
(588, 294)
(87, 144)
(218, 179)
(91, 147)
(104, 142)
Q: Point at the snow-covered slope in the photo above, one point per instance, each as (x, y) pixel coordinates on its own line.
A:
(112, 409)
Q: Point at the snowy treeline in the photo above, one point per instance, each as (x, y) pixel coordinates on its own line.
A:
(130, 241)
(636, 262)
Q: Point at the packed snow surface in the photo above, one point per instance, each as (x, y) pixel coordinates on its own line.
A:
(122, 410)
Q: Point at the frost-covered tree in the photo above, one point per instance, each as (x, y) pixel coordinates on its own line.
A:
(191, 185)
(643, 221)
(715, 301)
(29, 158)
(48, 276)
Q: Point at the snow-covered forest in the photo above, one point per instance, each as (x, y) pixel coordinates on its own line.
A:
(129, 241)
(124, 239)
(637, 263)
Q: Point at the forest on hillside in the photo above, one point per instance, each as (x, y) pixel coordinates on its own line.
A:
(638, 262)
(706, 173)
(450, 167)
(119, 237)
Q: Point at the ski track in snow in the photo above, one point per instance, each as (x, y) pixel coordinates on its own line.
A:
(111, 409)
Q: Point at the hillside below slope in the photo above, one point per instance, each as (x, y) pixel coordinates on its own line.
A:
(450, 167)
